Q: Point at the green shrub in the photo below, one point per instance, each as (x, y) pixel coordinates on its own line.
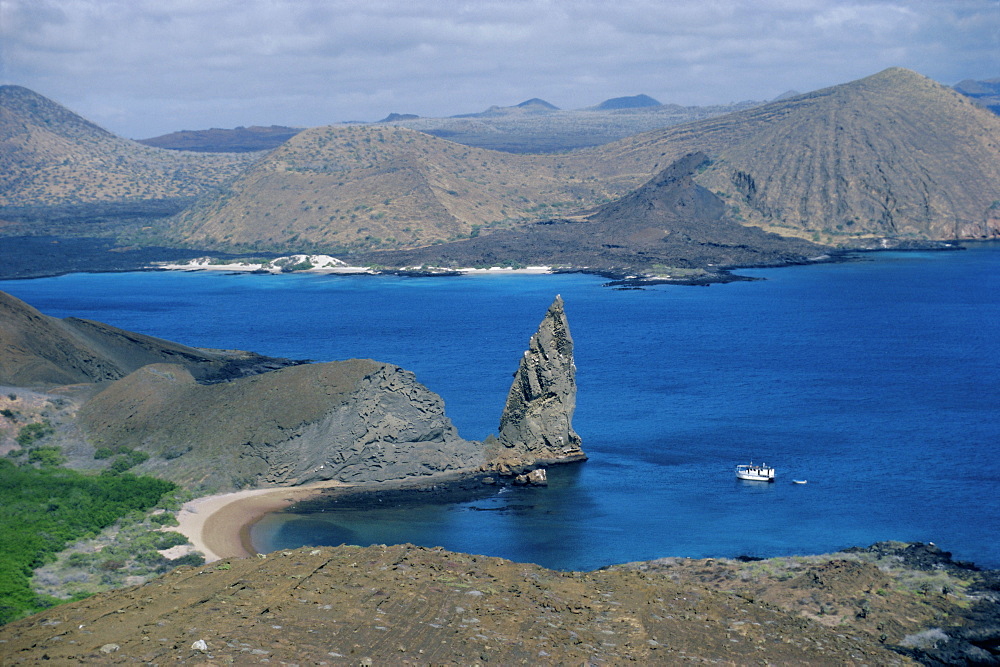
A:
(126, 458)
(50, 457)
(44, 509)
(165, 519)
(80, 559)
(102, 453)
(169, 539)
(189, 559)
(32, 433)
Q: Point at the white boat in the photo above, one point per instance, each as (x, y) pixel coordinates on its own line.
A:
(799, 481)
(755, 473)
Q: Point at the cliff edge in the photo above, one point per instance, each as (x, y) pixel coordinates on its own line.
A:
(354, 421)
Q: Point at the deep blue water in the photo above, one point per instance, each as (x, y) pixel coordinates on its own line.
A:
(876, 380)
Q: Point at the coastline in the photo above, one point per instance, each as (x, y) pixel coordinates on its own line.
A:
(219, 526)
(328, 265)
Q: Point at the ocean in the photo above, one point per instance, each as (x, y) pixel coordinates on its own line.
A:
(876, 380)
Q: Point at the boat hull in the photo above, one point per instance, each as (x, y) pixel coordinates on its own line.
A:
(754, 478)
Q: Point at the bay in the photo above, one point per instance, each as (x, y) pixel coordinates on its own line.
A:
(876, 380)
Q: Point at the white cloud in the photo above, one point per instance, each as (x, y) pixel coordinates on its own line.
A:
(144, 67)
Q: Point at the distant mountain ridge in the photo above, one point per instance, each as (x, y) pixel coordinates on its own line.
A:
(985, 92)
(533, 125)
(256, 138)
(536, 126)
(894, 154)
(528, 107)
(629, 102)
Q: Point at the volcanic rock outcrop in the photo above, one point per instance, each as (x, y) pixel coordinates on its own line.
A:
(353, 421)
(536, 426)
(217, 420)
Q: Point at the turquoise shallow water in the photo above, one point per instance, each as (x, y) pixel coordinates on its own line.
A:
(876, 380)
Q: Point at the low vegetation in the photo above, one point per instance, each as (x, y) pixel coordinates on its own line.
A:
(46, 508)
(134, 549)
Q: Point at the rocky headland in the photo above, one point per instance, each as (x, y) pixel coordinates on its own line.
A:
(214, 420)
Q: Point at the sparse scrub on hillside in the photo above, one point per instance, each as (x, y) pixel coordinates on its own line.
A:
(32, 433)
(47, 508)
(123, 554)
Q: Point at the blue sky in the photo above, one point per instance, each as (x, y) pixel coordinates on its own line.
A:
(141, 68)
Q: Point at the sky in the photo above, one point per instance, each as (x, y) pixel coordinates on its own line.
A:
(141, 68)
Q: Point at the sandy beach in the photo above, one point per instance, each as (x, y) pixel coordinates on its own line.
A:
(324, 264)
(219, 526)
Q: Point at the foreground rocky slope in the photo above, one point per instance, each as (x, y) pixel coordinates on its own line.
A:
(411, 605)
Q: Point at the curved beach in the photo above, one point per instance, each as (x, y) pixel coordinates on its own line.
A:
(219, 525)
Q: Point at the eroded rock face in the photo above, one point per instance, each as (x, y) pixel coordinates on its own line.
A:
(353, 421)
(536, 426)
(392, 428)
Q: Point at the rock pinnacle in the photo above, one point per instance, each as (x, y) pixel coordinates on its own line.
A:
(536, 426)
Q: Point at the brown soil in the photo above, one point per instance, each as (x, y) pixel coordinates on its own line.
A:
(411, 605)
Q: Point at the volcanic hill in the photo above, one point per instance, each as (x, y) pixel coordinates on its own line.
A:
(50, 156)
(364, 187)
(894, 154)
(671, 227)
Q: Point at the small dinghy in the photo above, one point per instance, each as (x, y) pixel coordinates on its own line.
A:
(799, 481)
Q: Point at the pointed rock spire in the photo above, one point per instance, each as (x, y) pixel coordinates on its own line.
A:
(536, 426)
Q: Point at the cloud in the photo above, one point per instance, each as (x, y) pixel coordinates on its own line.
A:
(144, 67)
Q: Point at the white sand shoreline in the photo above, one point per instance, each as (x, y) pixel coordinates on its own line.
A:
(325, 265)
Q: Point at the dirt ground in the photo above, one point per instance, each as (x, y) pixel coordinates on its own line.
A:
(411, 605)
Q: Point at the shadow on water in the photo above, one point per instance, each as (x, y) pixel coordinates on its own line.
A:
(530, 523)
